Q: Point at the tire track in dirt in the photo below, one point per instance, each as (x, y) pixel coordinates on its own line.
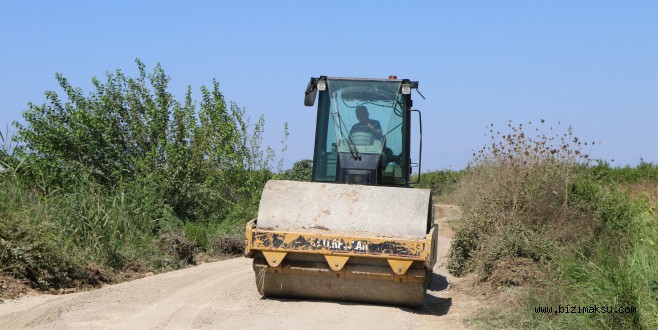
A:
(176, 309)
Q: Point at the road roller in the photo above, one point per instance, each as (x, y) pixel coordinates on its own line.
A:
(358, 231)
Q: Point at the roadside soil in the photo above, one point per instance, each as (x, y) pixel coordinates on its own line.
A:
(223, 295)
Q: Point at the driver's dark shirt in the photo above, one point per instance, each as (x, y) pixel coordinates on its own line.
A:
(358, 127)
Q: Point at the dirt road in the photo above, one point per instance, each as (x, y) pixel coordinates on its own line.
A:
(223, 295)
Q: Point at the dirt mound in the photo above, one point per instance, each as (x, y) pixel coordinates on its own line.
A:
(11, 288)
(514, 271)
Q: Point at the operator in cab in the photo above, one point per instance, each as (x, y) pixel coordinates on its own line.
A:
(366, 124)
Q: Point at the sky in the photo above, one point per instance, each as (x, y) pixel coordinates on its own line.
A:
(589, 64)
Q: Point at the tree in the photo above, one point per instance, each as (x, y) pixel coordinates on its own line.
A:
(300, 171)
(201, 159)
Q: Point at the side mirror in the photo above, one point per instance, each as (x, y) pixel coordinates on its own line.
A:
(311, 93)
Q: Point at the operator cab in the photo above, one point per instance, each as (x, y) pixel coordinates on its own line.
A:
(362, 133)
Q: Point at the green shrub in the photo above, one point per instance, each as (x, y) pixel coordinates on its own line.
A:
(301, 171)
(532, 204)
(644, 172)
(442, 182)
(204, 159)
(126, 177)
(515, 198)
(35, 252)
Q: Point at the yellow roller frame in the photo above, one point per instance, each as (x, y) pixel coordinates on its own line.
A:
(400, 253)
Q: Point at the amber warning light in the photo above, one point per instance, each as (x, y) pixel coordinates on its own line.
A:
(392, 77)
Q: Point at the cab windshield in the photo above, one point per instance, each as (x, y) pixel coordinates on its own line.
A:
(359, 117)
(366, 116)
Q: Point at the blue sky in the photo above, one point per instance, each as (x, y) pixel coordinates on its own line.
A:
(590, 64)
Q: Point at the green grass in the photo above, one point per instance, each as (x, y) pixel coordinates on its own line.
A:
(610, 260)
(52, 239)
(617, 270)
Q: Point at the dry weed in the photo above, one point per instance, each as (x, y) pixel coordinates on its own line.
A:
(515, 195)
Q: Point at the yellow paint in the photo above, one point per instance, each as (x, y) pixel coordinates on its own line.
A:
(336, 263)
(327, 244)
(399, 267)
(274, 258)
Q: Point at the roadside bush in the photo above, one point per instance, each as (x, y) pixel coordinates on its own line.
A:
(644, 172)
(204, 159)
(35, 252)
(533, 204)
(49, 239)
(126, 177)
(515, 198)
(301, 171)
(176, 245)
(615, 269)
(442, 183)
(228, 245)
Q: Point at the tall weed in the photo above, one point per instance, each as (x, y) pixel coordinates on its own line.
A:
(533, 206)
(514, 189)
